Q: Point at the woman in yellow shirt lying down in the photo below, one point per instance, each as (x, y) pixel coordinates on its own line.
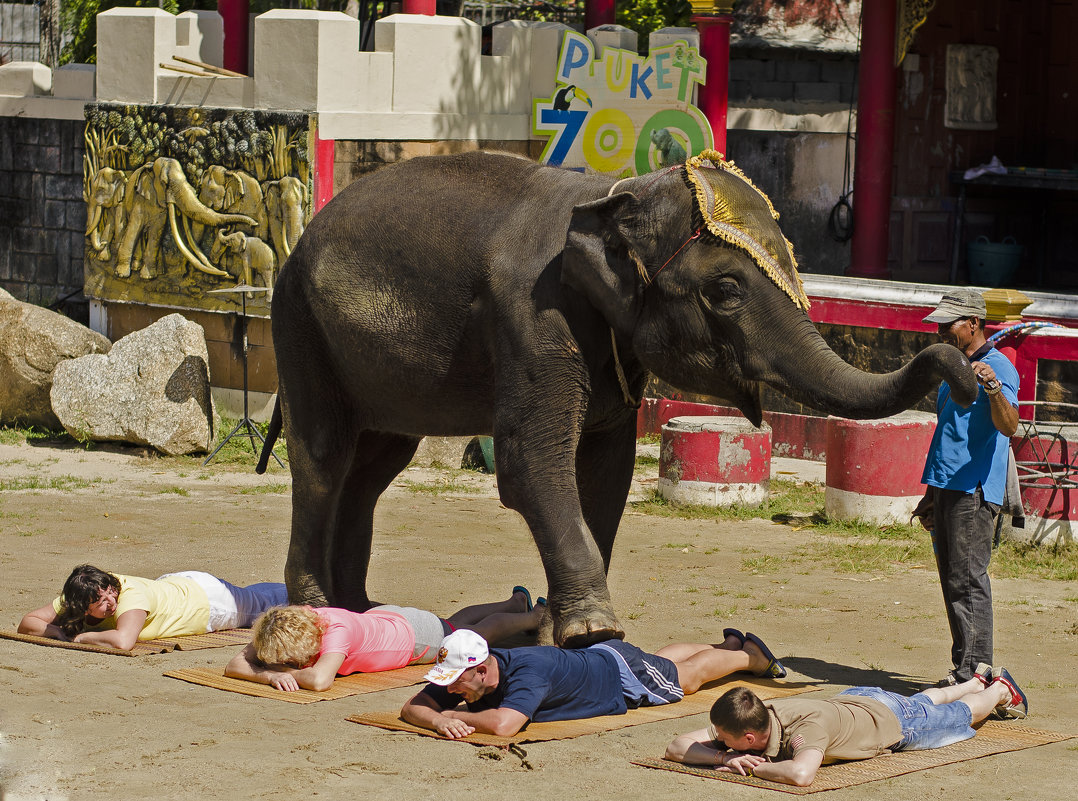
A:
(102, 608)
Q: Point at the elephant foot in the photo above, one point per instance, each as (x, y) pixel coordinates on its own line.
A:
(123, 272)
(356, 603)
(144, 273)
(307, 596)
(584, 629)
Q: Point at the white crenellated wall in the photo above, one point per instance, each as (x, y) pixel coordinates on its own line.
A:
(426, 79)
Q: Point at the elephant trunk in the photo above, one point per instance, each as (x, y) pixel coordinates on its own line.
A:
(93, 229)
(183, 195)
(292, 229)
(805, 368)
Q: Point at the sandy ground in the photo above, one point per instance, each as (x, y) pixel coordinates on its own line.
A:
(77, 725)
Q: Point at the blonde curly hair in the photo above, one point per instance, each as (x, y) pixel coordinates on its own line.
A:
(288, 635)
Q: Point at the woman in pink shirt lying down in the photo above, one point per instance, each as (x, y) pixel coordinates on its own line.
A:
(307, 647)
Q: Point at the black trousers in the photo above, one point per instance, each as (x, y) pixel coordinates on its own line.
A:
(962, 538)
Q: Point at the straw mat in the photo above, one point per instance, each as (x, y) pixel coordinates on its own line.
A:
(566, 729)
(192, 642)
(140, 649)
(994, 737)
(343, 686)
(213, 639)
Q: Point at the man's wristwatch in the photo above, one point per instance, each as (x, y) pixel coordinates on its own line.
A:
(993, 387)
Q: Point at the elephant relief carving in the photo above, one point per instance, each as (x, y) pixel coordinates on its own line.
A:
(231, 192)
(286, 203)
(244, 257)
(104, 209)
(152, 195)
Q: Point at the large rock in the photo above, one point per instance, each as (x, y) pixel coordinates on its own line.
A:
(153, 388)
(33, 341)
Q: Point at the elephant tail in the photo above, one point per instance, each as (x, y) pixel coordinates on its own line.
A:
(272, 433)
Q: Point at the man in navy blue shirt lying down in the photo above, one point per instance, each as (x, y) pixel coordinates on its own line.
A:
(503, 689)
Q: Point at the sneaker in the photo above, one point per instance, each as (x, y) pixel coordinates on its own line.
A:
(1017, 706)
(947, 681)
(983, 672)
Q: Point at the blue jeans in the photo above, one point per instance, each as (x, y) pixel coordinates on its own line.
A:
(924, 724)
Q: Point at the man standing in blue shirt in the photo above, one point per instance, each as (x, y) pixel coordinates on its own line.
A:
(505, 688)
(966, 474)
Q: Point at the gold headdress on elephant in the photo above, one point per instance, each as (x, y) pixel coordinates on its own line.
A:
(735, 211)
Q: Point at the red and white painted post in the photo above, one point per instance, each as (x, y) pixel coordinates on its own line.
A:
(714, 461)
(874, 467)
(1047, 467)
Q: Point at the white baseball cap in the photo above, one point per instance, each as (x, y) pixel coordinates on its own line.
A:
(459, 651)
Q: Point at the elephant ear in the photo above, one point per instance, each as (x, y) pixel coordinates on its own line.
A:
(599, 261)
(233, 189)
(271, 194)
(144, 184)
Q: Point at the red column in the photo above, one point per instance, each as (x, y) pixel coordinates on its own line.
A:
(419, 7)
(713, 96)
(236, 15)
(874, 158)
(323, 172)
(598, 12)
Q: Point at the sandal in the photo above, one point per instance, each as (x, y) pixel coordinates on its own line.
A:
(774, 669)
(733, 633)
(527, 595)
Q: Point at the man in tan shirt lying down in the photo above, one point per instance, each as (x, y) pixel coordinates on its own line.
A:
(787, 739)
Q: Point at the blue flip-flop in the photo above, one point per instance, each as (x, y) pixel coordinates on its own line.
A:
(733, 633)
(774, 669)
(528, 595)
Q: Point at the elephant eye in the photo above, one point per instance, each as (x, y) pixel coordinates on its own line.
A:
(722, 293)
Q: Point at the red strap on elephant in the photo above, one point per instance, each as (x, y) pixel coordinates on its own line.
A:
(695, 235)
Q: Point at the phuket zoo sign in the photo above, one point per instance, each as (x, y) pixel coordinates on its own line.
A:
(623, 114)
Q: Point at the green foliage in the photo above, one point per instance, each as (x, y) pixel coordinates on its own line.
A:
(645, 16)
(786, 499)
(62, 483)
(16, 435)
(78, 18)
(856, 546)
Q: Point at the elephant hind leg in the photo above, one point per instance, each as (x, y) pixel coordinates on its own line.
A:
(378, 459)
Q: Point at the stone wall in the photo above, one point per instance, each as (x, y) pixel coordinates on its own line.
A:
(42, 214)
(355, 158)
(794, 76)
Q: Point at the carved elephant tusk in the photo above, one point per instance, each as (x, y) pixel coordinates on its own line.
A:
(191, 258)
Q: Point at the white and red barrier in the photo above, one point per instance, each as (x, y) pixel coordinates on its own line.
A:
(714, 461)
(874, 466)
(1047, 460)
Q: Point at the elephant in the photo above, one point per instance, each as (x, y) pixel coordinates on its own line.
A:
(485, 294)
(286, 201)
(232, 192)
(104, 209)
(153, 193)
(244, 257)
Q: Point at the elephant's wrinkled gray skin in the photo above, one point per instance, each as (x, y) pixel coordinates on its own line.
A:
(153, 194)
(104, 209)
(477, 294)
(286, 203)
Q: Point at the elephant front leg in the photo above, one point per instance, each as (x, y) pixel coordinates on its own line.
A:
(605, 461)
(535, 477)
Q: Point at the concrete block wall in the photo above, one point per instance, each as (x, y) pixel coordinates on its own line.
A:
(792, 76)
(42, 214)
